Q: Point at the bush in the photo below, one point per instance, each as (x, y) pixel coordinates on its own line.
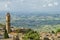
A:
(58, 31)
(53, 32)
(31, 35)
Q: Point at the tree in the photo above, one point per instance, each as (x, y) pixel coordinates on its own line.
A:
(6, 34)
(32, 35)
(53, 32)
(58, 31)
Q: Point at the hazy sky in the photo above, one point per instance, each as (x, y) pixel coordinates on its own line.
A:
(30, 5)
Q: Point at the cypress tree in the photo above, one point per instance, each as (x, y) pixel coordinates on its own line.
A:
(6, 34)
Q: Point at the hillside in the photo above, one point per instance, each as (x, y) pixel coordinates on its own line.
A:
(35, 21)
(2, 25)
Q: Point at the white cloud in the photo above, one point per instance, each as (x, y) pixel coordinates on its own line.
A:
(44, 5)
(56, 3)
(8, 2)
(50, 5)
(21, 1)
(6, 5)
(48, 1)
(28, 4)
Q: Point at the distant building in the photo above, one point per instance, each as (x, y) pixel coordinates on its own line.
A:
(58, 36)
(47, 36)
(8, 22)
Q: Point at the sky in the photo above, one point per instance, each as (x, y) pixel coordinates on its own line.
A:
(29, 5)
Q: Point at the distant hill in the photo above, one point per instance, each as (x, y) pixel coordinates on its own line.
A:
(32, 20)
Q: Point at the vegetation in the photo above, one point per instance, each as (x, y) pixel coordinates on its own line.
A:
(1, 25)
(58, 30)
(23, 30)
(6, 34)
(53, 32)
(31, 35)
(36, 21)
